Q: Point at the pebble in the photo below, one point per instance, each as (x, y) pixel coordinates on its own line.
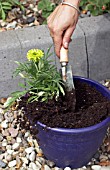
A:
(50, 163)
(20, 135)
(40, 160)
(12, 163)
(23, 167)
(12, 140)
(2, 100)
(9, 147)
(103, 157)
(31, 6)
(97, 155)
(46, 167)
(35, 9)
(30, 19)
(56, 168)
(1, 137)
(83, 15)
(36, 23)
(18, 140)
(26, 134)
(14, 154)
(107, 84)
(4, 124)
(25, 160)
(67, 168)
(19, 162)
(5, 132)
(4, 142)
(9, 158)
(9, 138)
(15, 146)
(88, 13)
(38, 164)
(33, 166)
(96, 167)
(25, 143)
(31, 24)
(32, 156)
(10, 151)
(3, 23)
(1, 117)
(2, 164)
(11, 25)
(29, 150)
(9, 116)
(13, 132)
(1, 156)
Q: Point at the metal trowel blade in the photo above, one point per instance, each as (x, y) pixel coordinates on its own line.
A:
(69, 78)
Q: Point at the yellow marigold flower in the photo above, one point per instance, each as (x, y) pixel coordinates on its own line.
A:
(35, 54)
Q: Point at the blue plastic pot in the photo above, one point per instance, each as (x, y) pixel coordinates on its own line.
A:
(73, 147)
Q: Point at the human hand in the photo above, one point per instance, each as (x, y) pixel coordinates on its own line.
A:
(62, 23)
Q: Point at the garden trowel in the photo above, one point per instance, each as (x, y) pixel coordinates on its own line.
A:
(66, 70)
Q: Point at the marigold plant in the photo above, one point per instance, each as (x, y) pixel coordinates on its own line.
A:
(43, 81)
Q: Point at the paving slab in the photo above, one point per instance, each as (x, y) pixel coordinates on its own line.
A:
(8, 86)
(10, 51)
(34, 37)
(97, 35)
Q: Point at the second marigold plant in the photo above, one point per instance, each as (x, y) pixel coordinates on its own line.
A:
(43, 81)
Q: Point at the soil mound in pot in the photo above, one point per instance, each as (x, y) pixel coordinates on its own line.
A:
(91, 108)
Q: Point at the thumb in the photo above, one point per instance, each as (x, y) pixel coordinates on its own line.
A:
(67, 37)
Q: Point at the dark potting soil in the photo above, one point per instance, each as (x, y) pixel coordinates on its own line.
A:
(91, 108)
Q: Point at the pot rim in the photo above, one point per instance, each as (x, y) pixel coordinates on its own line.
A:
(105, 122)
(77, 130)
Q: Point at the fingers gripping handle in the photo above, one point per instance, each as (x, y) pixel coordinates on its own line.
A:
(63, 55)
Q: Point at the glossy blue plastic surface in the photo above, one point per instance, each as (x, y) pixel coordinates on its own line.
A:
(73, 147)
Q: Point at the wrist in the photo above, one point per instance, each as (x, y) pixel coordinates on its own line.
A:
(70, 3)
(73, 2)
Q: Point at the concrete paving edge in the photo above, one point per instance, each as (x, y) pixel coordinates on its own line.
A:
(89, 52)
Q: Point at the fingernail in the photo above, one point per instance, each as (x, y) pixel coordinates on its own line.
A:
(66, 44)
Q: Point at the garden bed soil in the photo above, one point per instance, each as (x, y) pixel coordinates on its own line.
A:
(91, 108)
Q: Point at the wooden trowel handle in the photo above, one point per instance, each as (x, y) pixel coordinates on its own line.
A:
(63, 55)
